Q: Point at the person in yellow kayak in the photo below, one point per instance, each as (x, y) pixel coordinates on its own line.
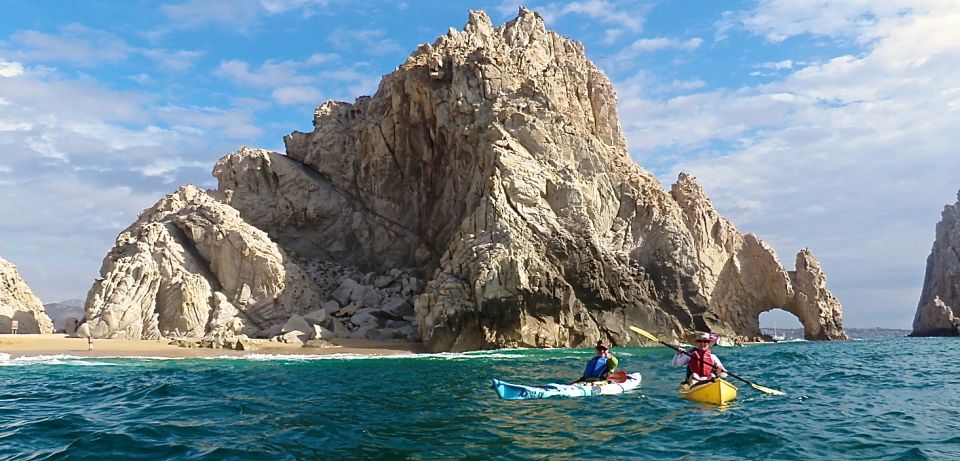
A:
(704, 366)
(601, 365)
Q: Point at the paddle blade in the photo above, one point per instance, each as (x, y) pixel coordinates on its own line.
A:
(617, 377)
(645, 334)
(767, 390)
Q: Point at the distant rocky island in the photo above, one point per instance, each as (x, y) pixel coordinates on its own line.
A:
(853, 333)
(483, 197)
(938, 312)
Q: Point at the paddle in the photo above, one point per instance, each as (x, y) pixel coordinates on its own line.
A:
(756, 386)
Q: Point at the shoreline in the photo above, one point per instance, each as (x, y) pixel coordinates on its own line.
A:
(33, 345)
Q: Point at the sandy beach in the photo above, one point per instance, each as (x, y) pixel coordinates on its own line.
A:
(54, 344)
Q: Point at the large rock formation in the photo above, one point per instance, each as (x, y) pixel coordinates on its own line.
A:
(18, 303)
(938, 313)
(492, 164)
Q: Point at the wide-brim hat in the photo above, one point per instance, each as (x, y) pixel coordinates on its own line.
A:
(704, 337)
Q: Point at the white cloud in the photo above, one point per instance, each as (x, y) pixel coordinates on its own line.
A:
(611, 35)
(179, 60)
(287, 95)
(10, 69)
(785, 64)
(282, 6)
(371, 41)
(778, 20)
(649, 45)
(287, 85)
(321, 58)
(630, 17)
(270, 74)
(605, 11)
(242, 14)
(194, 13)
(142, 79)
(76, 44)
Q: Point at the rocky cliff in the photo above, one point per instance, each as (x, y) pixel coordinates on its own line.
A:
(18, 303)
(938, 313)
(492, 165)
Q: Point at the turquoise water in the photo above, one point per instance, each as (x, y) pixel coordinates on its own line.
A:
(889, 399)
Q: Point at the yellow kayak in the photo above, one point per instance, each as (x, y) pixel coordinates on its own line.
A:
(717, 392)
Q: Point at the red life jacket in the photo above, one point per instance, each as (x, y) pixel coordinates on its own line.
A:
(703, 368)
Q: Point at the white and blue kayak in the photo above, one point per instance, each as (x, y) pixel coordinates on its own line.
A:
(508, 391)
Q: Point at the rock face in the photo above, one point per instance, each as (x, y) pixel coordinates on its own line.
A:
(187, 266)
(492, 165)
(938, 313)
(18, 303)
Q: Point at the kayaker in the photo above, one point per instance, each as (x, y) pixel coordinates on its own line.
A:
(600, 365)
(705, 366)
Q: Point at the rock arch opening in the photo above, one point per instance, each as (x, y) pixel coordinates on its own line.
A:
(777, 324)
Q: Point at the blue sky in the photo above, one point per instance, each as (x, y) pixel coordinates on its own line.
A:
(830, 125)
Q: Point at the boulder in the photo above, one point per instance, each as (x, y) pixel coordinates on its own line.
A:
(397, 307)
(293, 337)
(319, 332)
(296, 323)
(316, 317)
(70, 325)
(343, 292)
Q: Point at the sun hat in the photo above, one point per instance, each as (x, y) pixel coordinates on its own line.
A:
(704, 337)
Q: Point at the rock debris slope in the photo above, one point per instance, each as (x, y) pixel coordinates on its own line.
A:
(487, 184)
(938, 313)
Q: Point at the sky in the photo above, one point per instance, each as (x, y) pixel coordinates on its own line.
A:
(832, 125)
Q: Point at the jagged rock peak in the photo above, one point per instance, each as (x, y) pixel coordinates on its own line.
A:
(17, 302)
(938, 311)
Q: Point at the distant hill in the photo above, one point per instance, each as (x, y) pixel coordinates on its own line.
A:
(862, 333)
(63, 309)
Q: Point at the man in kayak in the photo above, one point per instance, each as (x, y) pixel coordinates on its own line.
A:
(600, 365)
(704, 366)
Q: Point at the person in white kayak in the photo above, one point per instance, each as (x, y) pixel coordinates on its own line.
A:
(704, 366)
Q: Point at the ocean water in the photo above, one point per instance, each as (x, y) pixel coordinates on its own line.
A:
(883, 399)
